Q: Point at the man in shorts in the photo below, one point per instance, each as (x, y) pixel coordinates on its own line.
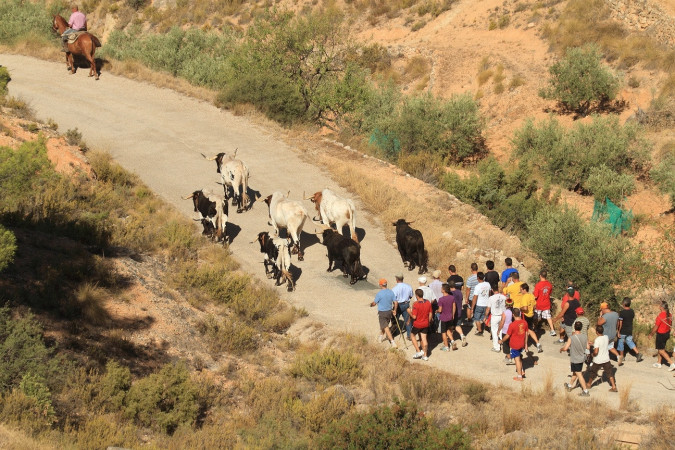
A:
(601, 359)
(471, 283)
(568, 314)
(609, 320)
(542, 295)
(507, 318)
(403, 292)
(429, 294)
(479, 303)
(385, 300)
(527, 305)
(420, 312)
(570, 293)
(626, 317)
(581, 317)
(455, 280)
(456, 293)
(577, 344)
(446, 311)
(516, 335)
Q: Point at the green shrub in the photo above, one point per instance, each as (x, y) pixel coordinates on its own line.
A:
(114, 386)
(228, 335)
(73, 136)
(104, 431)
(328, 366)
(21, 20)
(33, 386)
(7, 247)
(604, 182)
(587, 254)
(663, 173)
(164, 400)
(567, 157)
(23, 351)
(4, 80)
(324, 409)
(397, 426)
(579, 80)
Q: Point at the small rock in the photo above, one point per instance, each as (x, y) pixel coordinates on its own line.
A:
(341, 391)
(530, 25)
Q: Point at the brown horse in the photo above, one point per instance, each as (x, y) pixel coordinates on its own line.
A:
(85, 45)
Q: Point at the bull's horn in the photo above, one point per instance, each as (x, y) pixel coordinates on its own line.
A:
(288, 194)
(212, 158)
(235, 152)
(188, 197)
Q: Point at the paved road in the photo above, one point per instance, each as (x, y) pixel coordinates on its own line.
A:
(159, 135)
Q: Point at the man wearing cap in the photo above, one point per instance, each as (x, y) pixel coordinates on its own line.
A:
(609, 320)
(403, 292)
(385, 300)
(581, 317)
(568, 314)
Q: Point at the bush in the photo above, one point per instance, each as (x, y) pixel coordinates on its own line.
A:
(567, 157)
(398, 426)
(4, 80)
(164, 400)
(604, 183)
(579, 80)
(328, 366)
(21, 20)
(663, 174)
(476, 393)
(587, 254)
(7, 247)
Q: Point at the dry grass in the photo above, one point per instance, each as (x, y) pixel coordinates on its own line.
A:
(484, 76)
(625, 403)
(417, 67)
(89, 299)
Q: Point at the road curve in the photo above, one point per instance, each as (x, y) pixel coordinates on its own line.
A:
(160, 134)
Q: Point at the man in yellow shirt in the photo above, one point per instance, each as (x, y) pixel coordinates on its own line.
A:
(527, 305)
(512, 291)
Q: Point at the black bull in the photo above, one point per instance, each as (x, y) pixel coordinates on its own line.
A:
(345, 249)
(411, 246)
(208, 211)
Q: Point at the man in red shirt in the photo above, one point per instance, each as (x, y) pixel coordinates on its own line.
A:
(542, 293)
(420, 313)
(516, 335)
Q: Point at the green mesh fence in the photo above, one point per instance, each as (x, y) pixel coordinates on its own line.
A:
(387, 142)
(619, 219)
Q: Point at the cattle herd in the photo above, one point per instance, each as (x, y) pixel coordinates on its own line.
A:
(291, 215)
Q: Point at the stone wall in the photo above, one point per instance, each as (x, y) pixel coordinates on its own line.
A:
(645, 16)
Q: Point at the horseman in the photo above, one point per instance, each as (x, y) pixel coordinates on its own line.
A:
(76, 22)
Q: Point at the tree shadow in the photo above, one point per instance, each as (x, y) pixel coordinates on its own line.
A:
(602, 107)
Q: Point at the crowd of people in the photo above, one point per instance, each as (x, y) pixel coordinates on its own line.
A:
(516, 319)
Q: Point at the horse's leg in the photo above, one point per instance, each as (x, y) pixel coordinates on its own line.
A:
(92, 61)
(71, 61)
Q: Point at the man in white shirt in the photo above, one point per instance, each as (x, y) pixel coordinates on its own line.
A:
(496, 306)
(601, 359)
(479, 304)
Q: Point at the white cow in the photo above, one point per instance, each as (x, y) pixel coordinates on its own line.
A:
(335, 209)
(288, 214)
(234, 174)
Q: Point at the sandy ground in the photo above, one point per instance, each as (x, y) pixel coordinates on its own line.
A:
(160, 134)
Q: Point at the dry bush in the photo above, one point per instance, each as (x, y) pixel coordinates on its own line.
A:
(517, 81)
(89, 299)
(511, 421)
(324, 409)
(328, 366)
(477, 393)
(227, 335)
(417, 67)
(424, 166)
(484, 76)
(104, 431)
(427, 387)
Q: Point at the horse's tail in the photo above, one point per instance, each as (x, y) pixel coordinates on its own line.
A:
(95, 40)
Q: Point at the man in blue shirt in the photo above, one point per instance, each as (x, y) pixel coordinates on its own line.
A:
(506, 274)
(386, 304)
(403, 293)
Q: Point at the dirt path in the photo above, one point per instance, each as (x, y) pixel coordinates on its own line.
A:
(160, 134)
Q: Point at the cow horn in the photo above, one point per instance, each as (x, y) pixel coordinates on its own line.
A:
(288, 194)
(188, 197)
(235, 152)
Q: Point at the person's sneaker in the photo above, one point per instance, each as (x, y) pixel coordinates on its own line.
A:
(495, 350)
(656, 365)
(425, 358)
(418, 355)
(539, 349)
(478, 333)
(639, 357)
(620, 361)
(613, 390)
(510, 362)
(464, 343)
(445, 348)
(454, 346)
(552, 333)
(393, 344)
(585, 394)
(568, 387)
(561, 341)
(380, 338)
(672, 367)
